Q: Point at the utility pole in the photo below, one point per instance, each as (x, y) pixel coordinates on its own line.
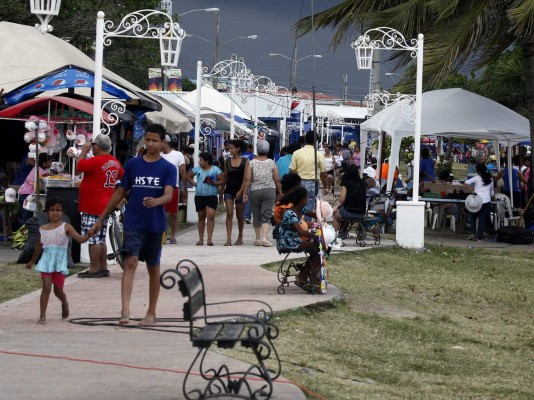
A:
(294, 61)
(345, 88)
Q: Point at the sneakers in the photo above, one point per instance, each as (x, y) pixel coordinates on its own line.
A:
(89, 274)
(471, 237)
(247, 220)
(337, 244)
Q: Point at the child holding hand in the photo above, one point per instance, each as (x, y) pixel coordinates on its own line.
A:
(53, 263)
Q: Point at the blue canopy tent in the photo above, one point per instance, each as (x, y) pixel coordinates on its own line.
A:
(66, 77)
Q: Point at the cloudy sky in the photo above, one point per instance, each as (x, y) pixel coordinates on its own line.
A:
(271, 20)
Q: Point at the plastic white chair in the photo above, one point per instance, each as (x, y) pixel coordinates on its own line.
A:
(438, 224)
(504, 214)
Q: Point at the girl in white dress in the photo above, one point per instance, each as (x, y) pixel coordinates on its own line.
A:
(54, 243)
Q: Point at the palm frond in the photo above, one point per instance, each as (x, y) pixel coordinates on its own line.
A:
(521, 17)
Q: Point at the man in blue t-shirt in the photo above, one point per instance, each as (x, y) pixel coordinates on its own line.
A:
(150, 180)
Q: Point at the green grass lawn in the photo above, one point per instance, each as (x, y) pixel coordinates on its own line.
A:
(446, 323)
(16, 280)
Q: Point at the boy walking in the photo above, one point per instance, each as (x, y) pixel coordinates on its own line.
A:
(151, 181)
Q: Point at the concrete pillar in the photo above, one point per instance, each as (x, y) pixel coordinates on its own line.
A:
(410, 227)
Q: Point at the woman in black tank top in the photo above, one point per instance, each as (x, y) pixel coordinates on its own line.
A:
(234, 178)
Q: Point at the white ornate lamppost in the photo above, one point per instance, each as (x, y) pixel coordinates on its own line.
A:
(45, 10)
(234, 70)
(410, 215)
(135, 25)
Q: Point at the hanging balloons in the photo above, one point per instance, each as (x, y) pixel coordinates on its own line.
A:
(326, 210)
(73, 152)
(30, 125)
(80, 140)
(29, 136)
(41, 136)
(70, 135)
(329, 234)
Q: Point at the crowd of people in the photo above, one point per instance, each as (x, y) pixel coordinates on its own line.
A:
(156, 181)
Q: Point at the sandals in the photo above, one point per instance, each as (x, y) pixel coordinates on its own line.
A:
(228, 243)
(171, 241)
(257, 242)
(266, 243)
(238, 242)
(200, 243)
(210, 243)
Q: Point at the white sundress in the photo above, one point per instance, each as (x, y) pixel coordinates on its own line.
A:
(55, 244)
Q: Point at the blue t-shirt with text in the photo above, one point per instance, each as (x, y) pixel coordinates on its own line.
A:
(146, 179)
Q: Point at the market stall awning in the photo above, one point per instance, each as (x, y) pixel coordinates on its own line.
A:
(56, 108)
(69, 76)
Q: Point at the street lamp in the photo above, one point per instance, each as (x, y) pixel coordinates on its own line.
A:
(134, 25)
(410, 229)
(45, 10)
(213, 10)
(294, 62)
(217, 43)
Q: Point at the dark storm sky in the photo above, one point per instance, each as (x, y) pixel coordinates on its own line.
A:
(271, 20)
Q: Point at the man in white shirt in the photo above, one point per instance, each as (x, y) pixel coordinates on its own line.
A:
(177, 159)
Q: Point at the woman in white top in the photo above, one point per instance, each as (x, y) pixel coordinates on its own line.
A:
(482, 185)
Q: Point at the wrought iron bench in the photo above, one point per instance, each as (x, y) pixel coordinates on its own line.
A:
(226, 330)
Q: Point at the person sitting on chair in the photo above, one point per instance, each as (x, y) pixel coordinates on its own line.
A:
(352, 197)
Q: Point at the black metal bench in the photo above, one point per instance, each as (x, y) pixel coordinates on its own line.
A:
(253, 331)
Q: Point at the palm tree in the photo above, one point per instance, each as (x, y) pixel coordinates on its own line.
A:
(458, 34)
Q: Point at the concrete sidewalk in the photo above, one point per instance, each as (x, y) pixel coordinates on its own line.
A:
(72, 367)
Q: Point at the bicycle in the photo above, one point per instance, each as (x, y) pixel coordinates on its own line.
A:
(116, 235)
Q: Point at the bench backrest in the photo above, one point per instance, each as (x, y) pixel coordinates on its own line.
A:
(190, 285)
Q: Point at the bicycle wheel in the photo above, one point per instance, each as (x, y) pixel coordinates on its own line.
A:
(115, 238)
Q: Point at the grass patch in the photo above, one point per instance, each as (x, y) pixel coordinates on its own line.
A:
(446, 323)
(16, 280)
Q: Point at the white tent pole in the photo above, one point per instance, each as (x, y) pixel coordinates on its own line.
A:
(232, 110)
(197, 114)
(393, 161)
(99, 60)
(363, 148)
(497, 151)
(510, 167)
(379, 154)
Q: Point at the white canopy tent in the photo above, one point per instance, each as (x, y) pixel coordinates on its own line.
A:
(26, 54)
(449, 112)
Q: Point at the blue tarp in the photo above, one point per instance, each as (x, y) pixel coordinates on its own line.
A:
(61, 79)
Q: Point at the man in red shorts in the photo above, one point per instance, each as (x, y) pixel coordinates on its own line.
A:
(100, 174)
(177, 159)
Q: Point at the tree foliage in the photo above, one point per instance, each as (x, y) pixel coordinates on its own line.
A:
(459, 35)
(76, 23)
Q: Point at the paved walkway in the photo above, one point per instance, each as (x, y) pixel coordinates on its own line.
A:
(112, 354)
